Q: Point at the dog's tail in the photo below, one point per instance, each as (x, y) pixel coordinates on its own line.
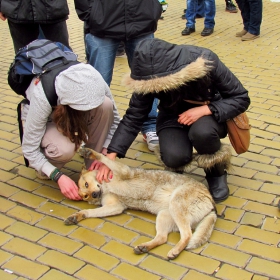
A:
(203, 231)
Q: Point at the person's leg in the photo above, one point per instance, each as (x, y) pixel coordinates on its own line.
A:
(214, 157)
(209, 22)
(255, 7)
(149, 126)
(200, 9)
(101, 53)
(210, 12)
(23, 34)
(205, 135)
(131, 44)
(245, 13)
(190, 16)
(100, 120)
(57, 148)
(175, 147)
(56, 32)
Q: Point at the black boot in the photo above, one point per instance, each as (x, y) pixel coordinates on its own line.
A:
(217, 181)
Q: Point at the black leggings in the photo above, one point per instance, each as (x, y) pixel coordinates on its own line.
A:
(177, 143)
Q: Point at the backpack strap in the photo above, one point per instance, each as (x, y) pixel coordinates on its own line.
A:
(48, 81)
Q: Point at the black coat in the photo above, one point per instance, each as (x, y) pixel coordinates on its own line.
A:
(35, 11)
(173, 74)
(120, 19)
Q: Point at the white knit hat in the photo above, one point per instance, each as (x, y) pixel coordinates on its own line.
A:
(81, 87)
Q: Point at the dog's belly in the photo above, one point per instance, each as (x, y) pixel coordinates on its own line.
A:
(156, 202)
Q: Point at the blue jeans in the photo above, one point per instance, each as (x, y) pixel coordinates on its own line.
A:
(200, 8)
(251, 12)
(101, 54)
(192, 10)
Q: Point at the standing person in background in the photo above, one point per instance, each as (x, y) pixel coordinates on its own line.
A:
(107, 24)
(209, 13)
(25, 18)
(251, 12)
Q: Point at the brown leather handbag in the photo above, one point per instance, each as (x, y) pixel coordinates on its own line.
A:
(239, 133)
(238, 130)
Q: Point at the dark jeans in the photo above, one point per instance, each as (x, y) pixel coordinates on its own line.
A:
(251, 12)
(177, 143)
(22, 34)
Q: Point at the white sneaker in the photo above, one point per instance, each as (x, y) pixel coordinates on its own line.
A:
(152, 140)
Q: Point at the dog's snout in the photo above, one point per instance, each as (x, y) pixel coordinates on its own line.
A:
(83, 195)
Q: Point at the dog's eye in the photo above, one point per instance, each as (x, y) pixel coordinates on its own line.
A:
(86, 185)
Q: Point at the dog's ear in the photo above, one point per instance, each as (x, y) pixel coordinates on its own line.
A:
(84, 170)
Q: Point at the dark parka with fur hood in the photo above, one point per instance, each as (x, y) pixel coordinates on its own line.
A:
(35, 11)
(119, 19)
(173, 74)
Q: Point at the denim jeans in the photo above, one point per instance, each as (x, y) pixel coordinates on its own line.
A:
(200, 8)
(210, 12)
(251, 12)
(101, 54)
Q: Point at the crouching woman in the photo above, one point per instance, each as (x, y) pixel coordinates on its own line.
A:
(197, 95)
(85, 112)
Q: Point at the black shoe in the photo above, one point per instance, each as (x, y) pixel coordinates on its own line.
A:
(188, 31)
(184, 16)
(207, 31)
(218, 187)
(230, 7)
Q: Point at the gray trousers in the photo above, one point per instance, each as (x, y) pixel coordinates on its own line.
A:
(59, 150)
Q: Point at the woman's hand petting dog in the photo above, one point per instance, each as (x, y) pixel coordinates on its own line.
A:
(103, 174)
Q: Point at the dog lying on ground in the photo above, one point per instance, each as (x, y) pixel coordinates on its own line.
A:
(180, 202)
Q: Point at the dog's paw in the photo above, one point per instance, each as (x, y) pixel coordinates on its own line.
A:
(171, 255)
(138, 250)
(74, 219)
(85, 152)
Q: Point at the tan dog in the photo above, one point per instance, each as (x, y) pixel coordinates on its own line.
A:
(180, 202)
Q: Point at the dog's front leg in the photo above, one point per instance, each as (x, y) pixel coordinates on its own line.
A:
(104, 211)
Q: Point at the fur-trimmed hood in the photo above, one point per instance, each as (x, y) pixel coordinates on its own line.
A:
(161, 66)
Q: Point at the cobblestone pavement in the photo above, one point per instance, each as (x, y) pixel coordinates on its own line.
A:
(34, 242)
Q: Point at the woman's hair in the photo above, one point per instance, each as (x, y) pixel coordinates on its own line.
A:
(71, 123)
